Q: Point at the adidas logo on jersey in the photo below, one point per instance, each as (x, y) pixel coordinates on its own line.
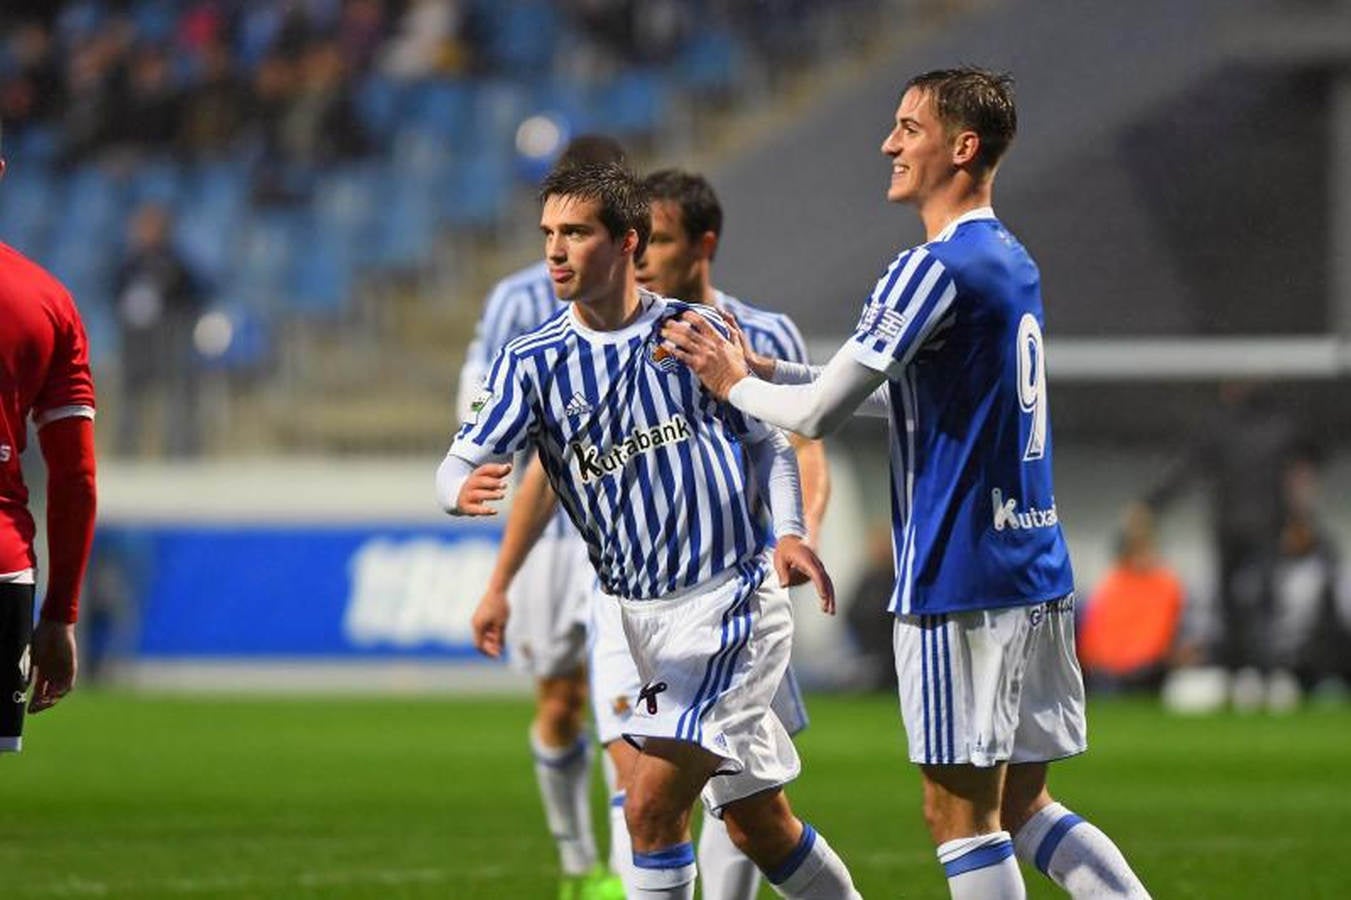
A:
(577, 406)
(1006, 514)
(593, 464)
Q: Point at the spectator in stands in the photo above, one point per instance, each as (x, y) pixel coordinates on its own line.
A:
(361, 30)
(321, 126)
(32, 91)
(149, 106)
(216, 107)
(91, 99)
(866, 615)
(159, 300)
(425, 41)
(1130, 629)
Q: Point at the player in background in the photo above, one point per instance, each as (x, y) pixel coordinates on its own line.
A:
(551, 594)
(648, 467)
(677, 263)
(950, 340)
(44, 375)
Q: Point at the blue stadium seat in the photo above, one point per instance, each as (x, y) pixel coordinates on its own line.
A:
(522, 36)
(28, 205)
(405, 224)
(156, 181)
(635, 103)
(478, 192)
(345, 203)
(266, 259)
(94, 206)
(499, 107)
(380, 104)
(321, 280)
(441, 108)
(712, 63)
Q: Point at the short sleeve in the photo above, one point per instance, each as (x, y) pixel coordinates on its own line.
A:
(906, 306)
(68, 389)
(500, 419)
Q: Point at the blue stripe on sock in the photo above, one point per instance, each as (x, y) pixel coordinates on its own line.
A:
(668, 858)
(980, 858)
(1052, 840)
(618, 799)
(785, 870)
(567, 759)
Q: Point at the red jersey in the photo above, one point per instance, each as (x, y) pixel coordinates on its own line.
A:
(44, 373)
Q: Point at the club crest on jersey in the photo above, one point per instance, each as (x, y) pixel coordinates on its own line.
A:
(662, 359)
(594, 463)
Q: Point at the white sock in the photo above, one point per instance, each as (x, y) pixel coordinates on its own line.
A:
(1076, 855)
(621, 848)
(982, 868)
(666, 874)
(725, 873)
(564, 776)
(813, 872)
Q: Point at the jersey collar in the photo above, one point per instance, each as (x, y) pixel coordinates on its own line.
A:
(652, 304)
(982, 212)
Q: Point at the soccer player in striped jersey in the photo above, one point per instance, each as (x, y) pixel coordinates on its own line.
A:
(550, 596)
(45, 379)
(950, 342)
(686, 226)
(654, 473)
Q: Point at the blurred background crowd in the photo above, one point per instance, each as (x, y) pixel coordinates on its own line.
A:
(279, 218)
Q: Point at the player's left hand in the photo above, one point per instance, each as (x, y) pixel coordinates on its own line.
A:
(796, 563)
(718, 362)
(490, 622)
(53, 656)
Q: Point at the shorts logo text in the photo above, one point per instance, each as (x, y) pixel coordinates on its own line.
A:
(648, 695)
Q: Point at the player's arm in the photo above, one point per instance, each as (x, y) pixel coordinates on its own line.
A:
(775, 466)
(531, 511)
(473, 474)
(68, 449)
(814, 471)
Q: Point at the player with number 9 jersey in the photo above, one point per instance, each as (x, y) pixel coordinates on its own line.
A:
(956, 325)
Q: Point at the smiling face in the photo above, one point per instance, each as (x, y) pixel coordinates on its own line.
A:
(671, 264)
(586, 262)
(920, 148)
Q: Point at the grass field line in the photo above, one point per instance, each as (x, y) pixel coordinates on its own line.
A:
(311, 881)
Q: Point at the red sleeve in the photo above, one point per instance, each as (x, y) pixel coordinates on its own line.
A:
(68, 448)
(69, 387)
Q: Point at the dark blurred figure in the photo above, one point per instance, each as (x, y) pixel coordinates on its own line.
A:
(1244, 450)
(158, 303)
(149, 107)
(216, 107)
(867, 618)
(31, 92)
(1309, 642)
(1130, 630)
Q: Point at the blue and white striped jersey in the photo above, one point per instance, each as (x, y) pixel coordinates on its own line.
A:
(771, 334)
(956, 325)
(517, 305)
(648, 465)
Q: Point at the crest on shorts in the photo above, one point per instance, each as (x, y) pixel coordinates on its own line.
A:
(649, 693)
(620, 706)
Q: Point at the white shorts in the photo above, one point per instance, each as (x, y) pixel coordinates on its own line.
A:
(546, 634)
(615, 682)
(991, 686)
(711, 659)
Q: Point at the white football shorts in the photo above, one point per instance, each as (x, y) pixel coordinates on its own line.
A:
(990, 686)
(711, 659)
(615, 682)
(546, 634)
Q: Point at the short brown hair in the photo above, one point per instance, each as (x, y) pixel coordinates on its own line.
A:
(624, 203)
(972, 99)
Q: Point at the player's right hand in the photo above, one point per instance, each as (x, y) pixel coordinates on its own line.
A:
(795, 563)
(490, 622)
(486, 484)
(761, 366)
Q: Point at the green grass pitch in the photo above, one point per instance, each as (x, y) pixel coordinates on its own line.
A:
(121, 796)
